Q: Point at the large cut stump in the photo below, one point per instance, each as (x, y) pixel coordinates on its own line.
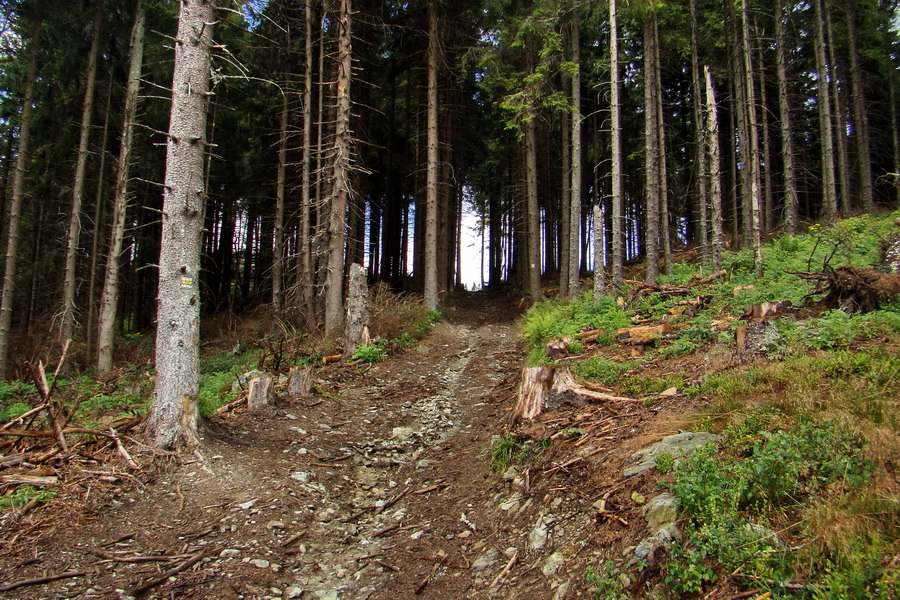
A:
(545, 388)
(261, 392)
(300, 383)
(356, 330)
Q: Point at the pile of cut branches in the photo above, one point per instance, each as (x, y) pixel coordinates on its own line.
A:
(45, 450)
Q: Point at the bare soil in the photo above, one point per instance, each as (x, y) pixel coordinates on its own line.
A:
(380, 487)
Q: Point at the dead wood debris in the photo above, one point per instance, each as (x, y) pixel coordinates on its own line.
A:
(853, 289)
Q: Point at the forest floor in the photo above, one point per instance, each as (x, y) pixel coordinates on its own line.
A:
(380, 487)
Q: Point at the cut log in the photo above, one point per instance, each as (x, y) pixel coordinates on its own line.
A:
(766, 311)
(28, 480)
(699, 280)
(260, 392)
(643, 335)
(544, 388)
(300, 383)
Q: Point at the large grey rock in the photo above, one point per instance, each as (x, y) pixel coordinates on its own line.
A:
(538, 536)
(552, 564)
(660, 511)
(664, 538)
(675, 445)
(486, 560)
(243, 381)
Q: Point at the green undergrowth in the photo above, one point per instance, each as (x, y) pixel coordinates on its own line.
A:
(809, 438)
(788, 511)
(554, 319)
(24, 494)
(511, 450)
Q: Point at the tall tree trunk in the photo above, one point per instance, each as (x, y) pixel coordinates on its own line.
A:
(699, 142)
(791, 204)
(752, 159)
(826, 127)
(98, 228)
(534, 217)
(651, 153)
(768, 216)
(575, 199)
(842, 177)
(174, 416)
(67, 324)
(306, 279)
(565, 196)
(15, 207)
(109, 299)
(278, 261)
(340, 195)
(615, 108)
(431, 184)
(663, 171)
(860, 114)
(715, 171)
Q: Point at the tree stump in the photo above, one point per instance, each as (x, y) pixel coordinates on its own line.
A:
(356, 330)
(300, 383)
(261, 392)
(544, 388)
(754, 340)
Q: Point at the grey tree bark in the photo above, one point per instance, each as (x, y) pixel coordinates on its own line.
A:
(715, 171)
(67, 322)
(306, 277)
(109, 298)
(575, 199)
(860, 114)
(651, 151)
(431, 175)
(356, 331)
(278, 261)
(700, 142)
(826, 129)
(15, 206)
(173, 417)
(98, 228)
(615, 109)
(753, 161)
(534, 217)
(337, 228)
(791, 203)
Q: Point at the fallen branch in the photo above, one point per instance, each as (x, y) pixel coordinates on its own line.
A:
(386, 530)
(112, 434)
(502, 574)
(152, 583)
(434, 569)
(39, 580)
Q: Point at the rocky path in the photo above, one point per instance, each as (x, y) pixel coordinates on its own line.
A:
(373, 490)
(379, 488)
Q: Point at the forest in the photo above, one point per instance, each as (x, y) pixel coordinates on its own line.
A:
(578, 137)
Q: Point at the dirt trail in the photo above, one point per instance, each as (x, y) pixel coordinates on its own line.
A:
(380, 489)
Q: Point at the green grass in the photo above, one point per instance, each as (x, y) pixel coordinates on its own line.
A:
(508, 450)
(23, 494)
(605, 371)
